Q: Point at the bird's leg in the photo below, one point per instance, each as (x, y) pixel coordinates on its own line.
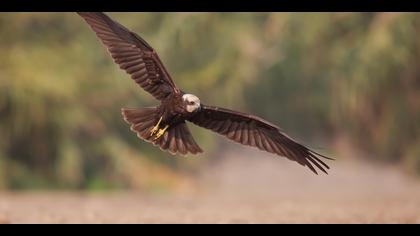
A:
(161, 132)
(156, 127)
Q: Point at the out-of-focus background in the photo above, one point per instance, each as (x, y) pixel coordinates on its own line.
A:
(346, 84)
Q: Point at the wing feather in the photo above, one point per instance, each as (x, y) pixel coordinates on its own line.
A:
(254, 131)
(244, 136)
(133, 54)
(232, 130)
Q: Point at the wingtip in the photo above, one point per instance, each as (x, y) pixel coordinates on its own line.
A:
(91, 14)
(329, 158)
(81, 13)
(315, 172)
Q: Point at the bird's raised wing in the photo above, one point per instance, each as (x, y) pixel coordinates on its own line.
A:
(133, 54)
(256, 132)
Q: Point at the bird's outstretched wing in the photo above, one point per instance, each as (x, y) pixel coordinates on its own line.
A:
(133, 54)
(256, 132)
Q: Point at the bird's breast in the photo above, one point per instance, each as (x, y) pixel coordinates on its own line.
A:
(172, 110)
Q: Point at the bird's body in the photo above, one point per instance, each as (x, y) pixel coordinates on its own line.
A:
(175, 109)
(165, 125)
(172, 110)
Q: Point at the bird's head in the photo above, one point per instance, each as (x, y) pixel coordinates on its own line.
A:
(191, 102)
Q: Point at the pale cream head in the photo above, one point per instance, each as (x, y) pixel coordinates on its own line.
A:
(192, 102)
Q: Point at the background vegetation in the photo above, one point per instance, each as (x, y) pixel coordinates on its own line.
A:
(319, 76)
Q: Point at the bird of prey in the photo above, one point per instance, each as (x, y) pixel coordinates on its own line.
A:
(165, 125)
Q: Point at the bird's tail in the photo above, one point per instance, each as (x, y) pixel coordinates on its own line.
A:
(141, 120)
(176, 139)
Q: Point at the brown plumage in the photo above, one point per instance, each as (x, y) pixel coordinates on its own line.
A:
(164, 125)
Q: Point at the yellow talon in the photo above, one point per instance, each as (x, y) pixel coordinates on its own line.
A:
(161, 132)
(155, 128)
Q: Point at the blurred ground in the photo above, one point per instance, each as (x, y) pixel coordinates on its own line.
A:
(249, 187)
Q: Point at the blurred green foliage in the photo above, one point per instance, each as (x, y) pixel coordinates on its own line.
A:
(319, 76)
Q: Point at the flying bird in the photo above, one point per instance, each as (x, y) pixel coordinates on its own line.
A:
(165, 125)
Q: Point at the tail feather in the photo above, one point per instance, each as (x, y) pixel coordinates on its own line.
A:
(177, 139)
